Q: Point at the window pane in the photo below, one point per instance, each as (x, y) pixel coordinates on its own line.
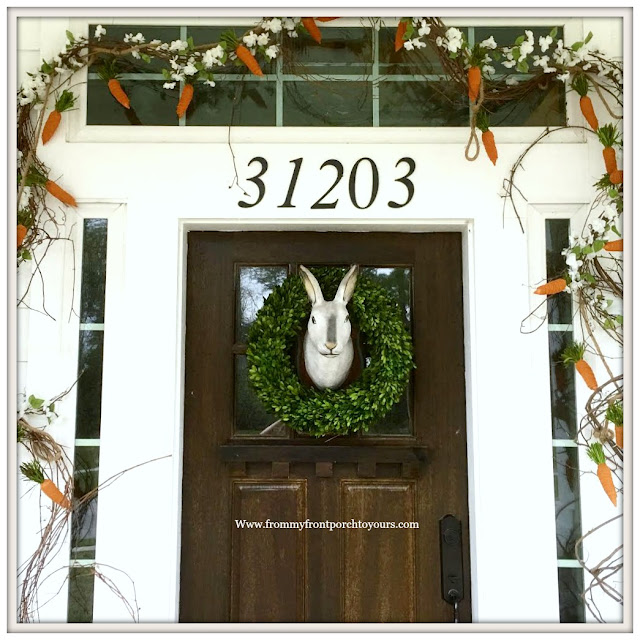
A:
(84, 519)
(94, 256)
(557, 239)
(567, 491)
(150, 104)
(342, 51)
(571, 585)
(422, 103)
(253, 286)
(80, 603)
(563, 399)
(328, 104)
(89, 395)
(542, 107)
(233, 102)
(250, 416)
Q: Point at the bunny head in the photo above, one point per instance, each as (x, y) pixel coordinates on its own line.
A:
(328, 349)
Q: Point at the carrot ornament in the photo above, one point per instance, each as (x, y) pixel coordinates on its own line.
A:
(250, 62)
(613, 245)
(400, 31)
(615, 177)
(614, 414)
(33, 471)
(185, 99)
(608, 136)
(310, 25)
(109, 74)
(574, 354)
(488, 141)
(474, 77)
(596, 454)
(581, 85)
(63, 103)
(22, 232)
(552, 287)
(35, 177)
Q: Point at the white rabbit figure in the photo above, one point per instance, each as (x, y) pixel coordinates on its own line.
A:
(328, 348)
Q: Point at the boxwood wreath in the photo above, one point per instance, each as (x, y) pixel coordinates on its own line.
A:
(272, 371)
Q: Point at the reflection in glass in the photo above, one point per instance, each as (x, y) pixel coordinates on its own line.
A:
(557, 239)
(84, 523)
(94, 270)
(253, 286)
(89, 395)
(250, 415)
(566, 477)
(571, 586)
(422, 103)
(80, 599)
(563, 399)
(311, 103)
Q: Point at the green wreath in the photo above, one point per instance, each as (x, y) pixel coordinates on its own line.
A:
(273, 375)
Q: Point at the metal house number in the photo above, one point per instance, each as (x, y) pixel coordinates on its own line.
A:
(324, 201)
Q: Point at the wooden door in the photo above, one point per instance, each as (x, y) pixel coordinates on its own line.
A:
(412, 467)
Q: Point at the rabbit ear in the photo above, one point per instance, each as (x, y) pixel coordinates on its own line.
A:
(348, 284)
(311, 285)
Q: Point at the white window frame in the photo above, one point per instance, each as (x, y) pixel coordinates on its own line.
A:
(78, 131)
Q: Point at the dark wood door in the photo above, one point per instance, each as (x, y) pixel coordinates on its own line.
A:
(411, 467)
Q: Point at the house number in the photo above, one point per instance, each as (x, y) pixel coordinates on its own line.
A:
(325, 201)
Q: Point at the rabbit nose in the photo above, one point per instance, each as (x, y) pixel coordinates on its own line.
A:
(330, 345)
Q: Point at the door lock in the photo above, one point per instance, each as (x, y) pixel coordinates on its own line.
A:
(451, 561)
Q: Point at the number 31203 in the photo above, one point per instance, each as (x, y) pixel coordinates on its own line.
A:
(323, 202)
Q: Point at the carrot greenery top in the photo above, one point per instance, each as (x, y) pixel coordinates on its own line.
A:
(614, 413)
(573, 353)
(33, 471)
(608, 135)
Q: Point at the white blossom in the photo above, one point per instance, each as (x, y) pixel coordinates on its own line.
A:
(136, 54)
(287, 23)
(178, 45)
(439, 41)
(24, 198)
(544, 42)
(210, 83)
(489, 43)
(424, 29)
(512, 81)
(454, 39)
(139, 38)
(263, 39)
(272, 51)
(190, 69)
(488, 70)
(598, 225)
(100, 31)
(563, 77)
(418, 44)
(128, 37)
(541, 61)
(212, 56)
(275, 24)
(572, 261)
(169, 85)
(250, 39)
(509, 64)
(178, 77)
(155, 43)
(408, 45)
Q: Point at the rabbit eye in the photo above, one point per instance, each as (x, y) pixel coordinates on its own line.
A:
(313, 319)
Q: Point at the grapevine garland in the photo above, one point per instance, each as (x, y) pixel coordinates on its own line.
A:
(274, 378)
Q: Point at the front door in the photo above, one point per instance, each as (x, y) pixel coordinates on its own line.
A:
(411, 467)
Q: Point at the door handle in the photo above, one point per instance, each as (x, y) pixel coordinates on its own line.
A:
(451, 560)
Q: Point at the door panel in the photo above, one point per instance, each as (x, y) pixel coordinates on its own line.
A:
(409, 467)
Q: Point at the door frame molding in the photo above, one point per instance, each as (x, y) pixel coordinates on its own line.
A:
(465, 227)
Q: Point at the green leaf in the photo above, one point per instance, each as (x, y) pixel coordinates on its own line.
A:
(519, 40)
(146, 57)
(615, 230)
(26, 254)
(576, 45)
(522, 66)
(587, 249)
(36, 403)
(589, 278)
(190, 42)
(46, 67)
(597, 245)
(588, 38)
(165, 74)
(52, 407)
(612, 193)
(554, 32)
(609, 324)
(619, 320)
(70, 37)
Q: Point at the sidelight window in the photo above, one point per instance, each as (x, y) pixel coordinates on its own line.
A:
(353, 79)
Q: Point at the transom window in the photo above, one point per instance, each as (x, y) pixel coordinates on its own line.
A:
(353, 79)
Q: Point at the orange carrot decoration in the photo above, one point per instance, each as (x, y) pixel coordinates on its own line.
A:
(33, 471)
(311, 26)
(488, 141)
(573, 354)
(552, 287)
(251, 63)
(118, 93)
(64, 102)
(608, 135)
(613, 245)
(581, 86)
(615, 414)
(474, 76)
(596, 454)
(185, 100)
(22, 232)
(58, 192)
(400, 31)
(615, 177)
(326, 19)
